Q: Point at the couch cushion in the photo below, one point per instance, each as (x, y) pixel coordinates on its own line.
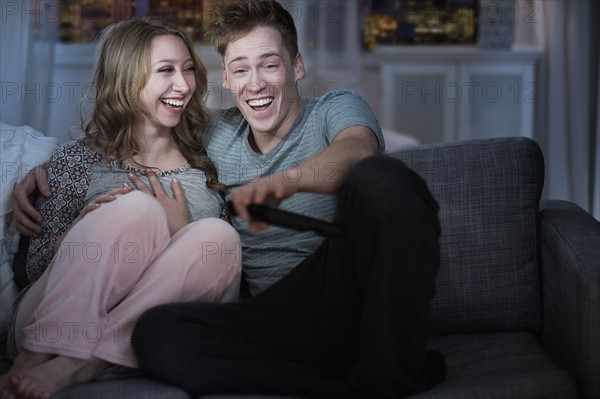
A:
(132, 388)
(502, 366)
(489, 192)
(498, 366)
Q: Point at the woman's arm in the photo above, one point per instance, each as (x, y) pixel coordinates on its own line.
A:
(95, 204)
(68, 174)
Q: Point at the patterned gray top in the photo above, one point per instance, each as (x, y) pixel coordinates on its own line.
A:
(77, 174)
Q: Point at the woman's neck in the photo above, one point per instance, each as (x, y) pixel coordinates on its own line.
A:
(158, 150)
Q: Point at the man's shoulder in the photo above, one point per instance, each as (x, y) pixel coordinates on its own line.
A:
(339, 94)
(224, 125)
(222, 117)
(335, 99)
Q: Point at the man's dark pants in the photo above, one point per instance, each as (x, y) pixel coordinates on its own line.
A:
(349, 321)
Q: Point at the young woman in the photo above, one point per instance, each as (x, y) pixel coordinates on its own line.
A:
(107, 251)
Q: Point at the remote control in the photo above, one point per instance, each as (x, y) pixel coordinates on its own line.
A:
(291, 220)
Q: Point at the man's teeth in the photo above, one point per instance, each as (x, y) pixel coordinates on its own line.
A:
(175, 103)
(260, 102)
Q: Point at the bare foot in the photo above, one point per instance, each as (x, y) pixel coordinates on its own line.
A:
(6, 391)
(24, 360)
(27, 359)
(44, 380)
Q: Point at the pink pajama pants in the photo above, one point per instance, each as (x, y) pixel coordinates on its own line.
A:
(117, 262)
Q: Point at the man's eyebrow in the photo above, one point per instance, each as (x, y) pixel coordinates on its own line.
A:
(236, 59)
(266, 55)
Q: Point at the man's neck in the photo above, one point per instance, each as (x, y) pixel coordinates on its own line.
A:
(264, 142)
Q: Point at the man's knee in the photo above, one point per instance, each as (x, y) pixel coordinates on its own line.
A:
(381, 176)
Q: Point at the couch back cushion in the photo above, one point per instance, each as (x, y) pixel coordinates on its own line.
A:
(488, 191)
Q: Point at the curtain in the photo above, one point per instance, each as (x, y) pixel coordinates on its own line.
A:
(28, 32)
(569, 113)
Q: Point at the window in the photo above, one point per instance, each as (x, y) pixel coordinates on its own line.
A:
(82, 20)
(396, 22)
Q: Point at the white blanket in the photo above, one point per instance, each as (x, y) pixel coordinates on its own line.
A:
(22, 149)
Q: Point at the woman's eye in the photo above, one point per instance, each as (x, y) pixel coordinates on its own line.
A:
(165, 70)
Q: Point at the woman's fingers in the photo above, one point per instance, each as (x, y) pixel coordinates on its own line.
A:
(101, 199)
(177, 191)
(159, 191)
(139, 184)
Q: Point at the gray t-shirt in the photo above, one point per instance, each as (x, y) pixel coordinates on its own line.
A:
(271, 254)
(202, 202)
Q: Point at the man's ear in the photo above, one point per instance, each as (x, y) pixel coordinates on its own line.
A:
(225, 80)
(299, 67)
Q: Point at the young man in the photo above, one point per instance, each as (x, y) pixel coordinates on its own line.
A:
(337, 317)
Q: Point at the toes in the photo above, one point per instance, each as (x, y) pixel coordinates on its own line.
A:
(15, 380)
(27, 389)
(6, 388)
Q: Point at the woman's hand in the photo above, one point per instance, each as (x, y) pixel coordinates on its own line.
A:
(175, 208)
(95, 204)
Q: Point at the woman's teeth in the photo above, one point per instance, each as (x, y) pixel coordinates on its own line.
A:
(174, 103)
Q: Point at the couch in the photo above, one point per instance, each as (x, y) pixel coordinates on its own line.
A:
(517, 309)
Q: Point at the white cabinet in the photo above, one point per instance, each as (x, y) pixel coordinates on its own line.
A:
(443, 96)
(420, 100)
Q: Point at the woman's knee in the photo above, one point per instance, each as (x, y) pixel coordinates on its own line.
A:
(214, 235)
(135, 207)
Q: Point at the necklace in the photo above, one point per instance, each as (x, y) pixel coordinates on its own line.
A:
(159, 173)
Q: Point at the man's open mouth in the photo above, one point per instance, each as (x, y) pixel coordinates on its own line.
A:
(260, 103)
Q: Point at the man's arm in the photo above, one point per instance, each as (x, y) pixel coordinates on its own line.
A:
(27, 218)
(323, 173)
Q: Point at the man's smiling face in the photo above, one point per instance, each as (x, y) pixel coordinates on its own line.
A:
(261, 74)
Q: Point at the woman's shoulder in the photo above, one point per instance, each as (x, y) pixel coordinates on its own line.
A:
(73, 154)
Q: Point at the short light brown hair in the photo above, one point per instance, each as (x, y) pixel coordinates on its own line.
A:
(234, 19)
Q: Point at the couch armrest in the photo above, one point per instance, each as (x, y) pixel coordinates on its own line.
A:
(570, 256)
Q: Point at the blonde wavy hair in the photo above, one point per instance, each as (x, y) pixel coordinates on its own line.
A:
(121, 71)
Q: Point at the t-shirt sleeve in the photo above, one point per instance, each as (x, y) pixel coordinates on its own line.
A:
(345, 108)
(68, 173)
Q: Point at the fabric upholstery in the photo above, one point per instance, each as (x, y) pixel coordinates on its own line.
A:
(491, 366)
(498, 366)
(570, 253)
(132, 388)
(488, 191)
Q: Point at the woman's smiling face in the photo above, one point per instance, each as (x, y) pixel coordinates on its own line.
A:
(171, 83)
